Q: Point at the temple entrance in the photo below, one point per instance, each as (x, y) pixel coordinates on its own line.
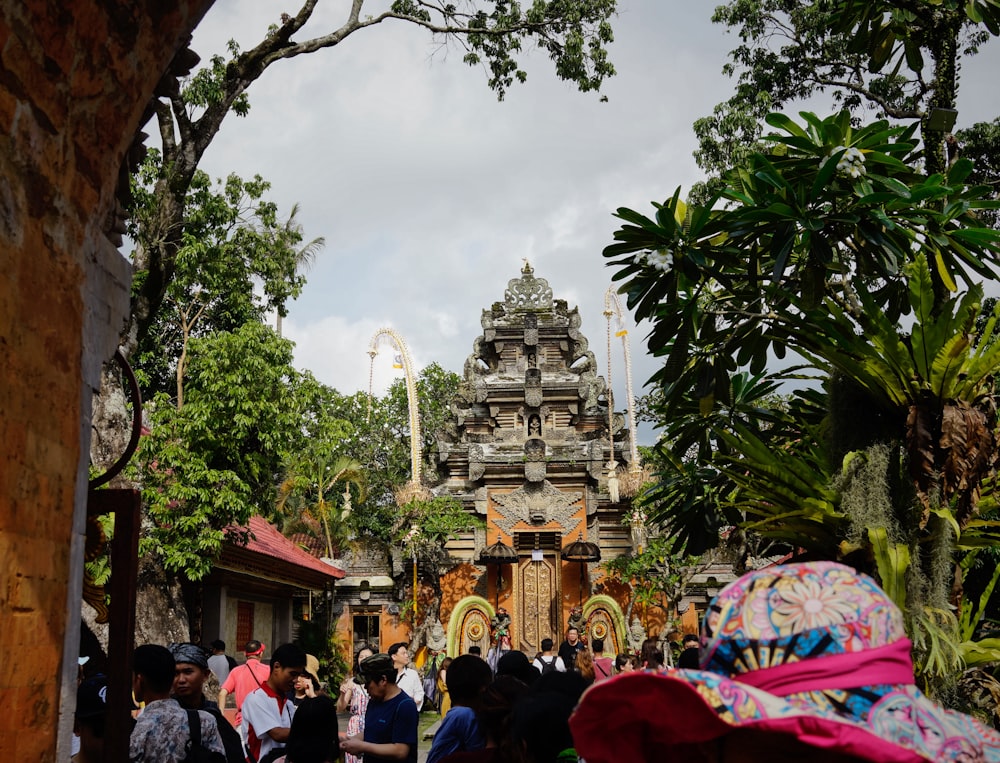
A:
(537, 590)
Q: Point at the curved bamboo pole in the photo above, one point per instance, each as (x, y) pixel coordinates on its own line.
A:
(412, 403)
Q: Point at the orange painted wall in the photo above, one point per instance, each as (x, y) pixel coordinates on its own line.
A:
(75, 79)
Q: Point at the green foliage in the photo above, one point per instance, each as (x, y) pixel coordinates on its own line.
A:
(237, 261)
(830, 213)
(379, 439)
(427, 525)
(899, 59)
(206, 468)
(317, 487)
(656, 574)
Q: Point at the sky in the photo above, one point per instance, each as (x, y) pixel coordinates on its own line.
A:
(430, 193)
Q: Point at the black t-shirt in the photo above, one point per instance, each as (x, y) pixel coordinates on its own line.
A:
(568, 653)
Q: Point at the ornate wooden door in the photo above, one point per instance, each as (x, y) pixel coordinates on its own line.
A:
(537, 597)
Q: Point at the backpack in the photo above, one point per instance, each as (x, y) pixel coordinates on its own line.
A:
(196, 752)
(548, 667)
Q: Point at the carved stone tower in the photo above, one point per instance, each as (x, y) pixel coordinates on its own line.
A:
(527, 451)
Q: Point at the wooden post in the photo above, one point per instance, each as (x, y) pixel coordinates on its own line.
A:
(125, 504)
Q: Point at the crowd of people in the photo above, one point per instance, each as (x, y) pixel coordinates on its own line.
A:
(794, 661)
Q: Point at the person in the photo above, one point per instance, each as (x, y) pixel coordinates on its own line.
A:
(603, 666)
(547, 661)
(651, 656)
(162, 733)
(432, 669)
(220, 663)
(476, 650)
(391, 719)
(467, 678)
(572, 646)
(515, 663)
(626, 663)
(806, 661)
(313, 737)
(89, 719)
(540, 729)
(353, 695)
(444, 697)
(688, 658)
(495, 708)
(267, 714)
(306, 686)
(190, 674)
(407, 678)
(244, 679)
(585, 666)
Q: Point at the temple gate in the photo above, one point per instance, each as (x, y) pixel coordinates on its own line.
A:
(528, 451)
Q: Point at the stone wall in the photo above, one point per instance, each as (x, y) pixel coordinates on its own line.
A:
(74, 80)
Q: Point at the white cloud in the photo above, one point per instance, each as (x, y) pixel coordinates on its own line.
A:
(429, 192)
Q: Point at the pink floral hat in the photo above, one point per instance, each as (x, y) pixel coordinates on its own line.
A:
(816, 651)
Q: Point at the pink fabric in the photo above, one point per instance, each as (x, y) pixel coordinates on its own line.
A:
(890, 664)
(641, 717)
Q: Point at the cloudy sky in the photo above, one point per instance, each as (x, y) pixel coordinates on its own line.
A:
(430, 193)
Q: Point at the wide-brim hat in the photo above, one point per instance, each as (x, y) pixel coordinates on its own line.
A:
(814, 651)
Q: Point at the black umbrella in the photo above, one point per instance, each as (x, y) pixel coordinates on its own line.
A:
(499, 553)
(581, 551)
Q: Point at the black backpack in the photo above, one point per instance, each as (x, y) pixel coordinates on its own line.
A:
(548, 667)
(197, 752)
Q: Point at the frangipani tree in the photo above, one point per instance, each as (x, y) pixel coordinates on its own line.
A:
(832, 245)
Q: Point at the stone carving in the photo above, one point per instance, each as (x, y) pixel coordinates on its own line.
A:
(534, 458)
(528, 292)
(636, 635)
(533, 387)
(531, 329)
(437, 639)
(537, 503)
(476, 466)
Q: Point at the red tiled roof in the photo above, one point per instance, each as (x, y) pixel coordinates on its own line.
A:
(308, 543)
(265, 539)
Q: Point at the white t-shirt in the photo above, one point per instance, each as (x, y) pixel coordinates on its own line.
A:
(409, 682)
(541, 661)
(261, 713)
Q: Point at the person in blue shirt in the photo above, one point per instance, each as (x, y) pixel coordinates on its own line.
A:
(391, 718)
(467, 679)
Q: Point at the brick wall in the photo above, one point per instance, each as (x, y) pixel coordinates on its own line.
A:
(74, 79)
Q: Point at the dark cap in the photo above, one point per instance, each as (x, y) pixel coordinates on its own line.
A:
(376, 665)
(92, 697)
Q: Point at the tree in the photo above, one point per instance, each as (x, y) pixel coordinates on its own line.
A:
(209, 466)
(574, 34)
(237, 262)
(379, 440)
(656, 576)
(827, 249)
(314, 478)
(867, 55)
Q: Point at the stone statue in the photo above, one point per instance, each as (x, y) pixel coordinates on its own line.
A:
(534, 425)
(576, 620)
(437, 639)
(500, 627)
(636, 635)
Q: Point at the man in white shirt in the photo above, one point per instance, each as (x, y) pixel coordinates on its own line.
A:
(267, 711)
(548, 662)
(407, 678)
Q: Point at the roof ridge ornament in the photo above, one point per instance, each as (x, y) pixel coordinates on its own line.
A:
(528, 292)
